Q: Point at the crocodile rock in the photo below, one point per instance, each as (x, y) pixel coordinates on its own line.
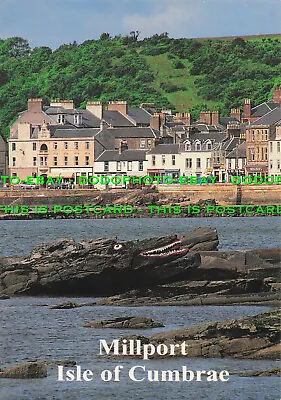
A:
(104, 266)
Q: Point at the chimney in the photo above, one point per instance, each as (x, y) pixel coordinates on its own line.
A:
(155, 122)
(233, 130)
(183, 117)
(215, 117)
(95, 107)
(67, 104)
(35, 105)
(235, 113)
(123, 145)
(121, 106)
(277, 95)
(247, 108)
(205, 116)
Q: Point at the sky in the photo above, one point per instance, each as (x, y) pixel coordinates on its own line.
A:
(55, 22)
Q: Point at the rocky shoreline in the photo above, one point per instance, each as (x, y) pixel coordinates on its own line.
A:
(256, 337)
(185, 269)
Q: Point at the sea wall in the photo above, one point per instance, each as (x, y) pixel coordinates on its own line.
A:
(227, 193)
(223, 194)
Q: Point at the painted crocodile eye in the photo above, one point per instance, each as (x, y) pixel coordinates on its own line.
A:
(117, 246)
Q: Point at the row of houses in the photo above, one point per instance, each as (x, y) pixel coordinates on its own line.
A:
(60, 140)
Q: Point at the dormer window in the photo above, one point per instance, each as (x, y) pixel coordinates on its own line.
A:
(197, 146)
(61, 119)
(209, 145)
(77, 119)
(187, 146)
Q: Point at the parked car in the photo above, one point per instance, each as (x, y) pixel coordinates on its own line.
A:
(29, 186)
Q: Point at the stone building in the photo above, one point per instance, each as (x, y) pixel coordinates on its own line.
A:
(258, 137)
(274, 152)
(3, 156)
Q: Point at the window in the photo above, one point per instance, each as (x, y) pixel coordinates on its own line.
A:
(75, 145)
(270, 147)
(34, 162)
(55, 145)
(265, 154)
(251, 154)
(187, 146)
(129, 165)
(55, 161)
(76, 160)
(65, 145)
(278, 164)
(208, 162)
(149, 143)
(34, 147)
(106, 166)
(142, 144)
(209, 146)
(163, 159)
(188, 163)
(265, 135)
(87, 145)
(77, 119)
(43, 147)
(140, 165)
(198, 146)
(253, 136)
(278, 147)
(270, 164)
(14, 161)
(198, 162)
(43, 161)
(153, 161)
(173, 159)
(118, 165)
(61, 119)
(65, 160)
(87, 160)
(13, 146)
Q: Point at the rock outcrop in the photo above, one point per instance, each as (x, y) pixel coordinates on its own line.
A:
(29, 370)
(256, 337)
(126, 323)
(104, 266)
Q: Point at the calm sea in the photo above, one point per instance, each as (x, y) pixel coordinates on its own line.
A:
(30, 330)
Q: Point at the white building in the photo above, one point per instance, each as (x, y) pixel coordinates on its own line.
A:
(112, 163)
(274, 152)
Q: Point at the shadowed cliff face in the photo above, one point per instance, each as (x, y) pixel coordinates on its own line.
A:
(104, 266)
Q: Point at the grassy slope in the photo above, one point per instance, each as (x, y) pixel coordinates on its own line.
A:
(164, 71)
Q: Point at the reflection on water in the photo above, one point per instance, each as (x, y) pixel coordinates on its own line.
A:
(19, 237)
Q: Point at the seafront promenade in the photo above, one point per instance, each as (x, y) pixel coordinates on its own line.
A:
(224, 194)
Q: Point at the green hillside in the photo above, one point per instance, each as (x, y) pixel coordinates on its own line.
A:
(182, 74)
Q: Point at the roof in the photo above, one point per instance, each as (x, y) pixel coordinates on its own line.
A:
(224, 121)
(126, 155)
(165, 149)
(239, 151)
(75, 133)
(134, 132)
(213, 136)
(89, 120)
(116, 119)
(263, 108)
(271, 118)
(60, 110)
(139, 115)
